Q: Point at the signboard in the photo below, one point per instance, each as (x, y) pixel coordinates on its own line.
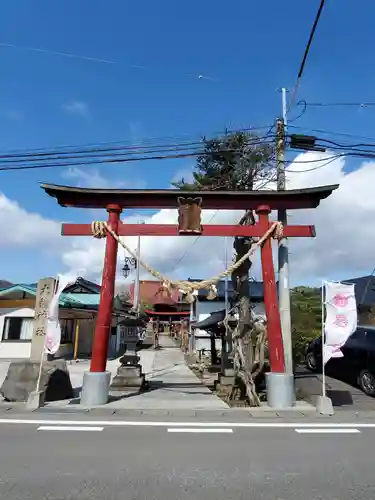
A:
(341, 318)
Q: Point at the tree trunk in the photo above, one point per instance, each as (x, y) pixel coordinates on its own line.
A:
(243, 357)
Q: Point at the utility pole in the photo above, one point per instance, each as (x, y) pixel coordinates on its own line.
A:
(283, 257)
(228, 343)
(226, 277)
(137, 298)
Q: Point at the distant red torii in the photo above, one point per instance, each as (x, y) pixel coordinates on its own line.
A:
(115, 200)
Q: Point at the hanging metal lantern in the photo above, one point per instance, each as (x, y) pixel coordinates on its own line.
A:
(129, 264)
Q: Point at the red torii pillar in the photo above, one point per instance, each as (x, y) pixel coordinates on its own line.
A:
(107, 293)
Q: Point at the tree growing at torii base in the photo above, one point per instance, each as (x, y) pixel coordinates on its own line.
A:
(238, 161)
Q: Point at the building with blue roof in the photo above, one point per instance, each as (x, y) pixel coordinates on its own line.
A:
(78, 307)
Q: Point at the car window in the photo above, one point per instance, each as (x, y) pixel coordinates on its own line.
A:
(358, 338)
(358, 335)
(370, 337)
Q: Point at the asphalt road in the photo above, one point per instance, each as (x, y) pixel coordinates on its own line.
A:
(100, 461)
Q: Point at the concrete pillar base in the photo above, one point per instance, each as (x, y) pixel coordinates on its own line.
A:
(324, 405)
(280, 390)
(95, 388)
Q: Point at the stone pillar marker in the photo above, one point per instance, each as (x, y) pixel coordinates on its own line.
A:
(21, 381)
(44, 294)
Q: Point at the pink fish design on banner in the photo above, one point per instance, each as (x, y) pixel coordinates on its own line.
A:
(341, 317)
(53, 330)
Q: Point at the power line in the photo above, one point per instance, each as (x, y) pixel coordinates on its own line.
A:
(117, 151)
(306, 53)
(314, 168)
(139, 154)
(336, 104)
(164, 157)
(144, 142)
(69, 55)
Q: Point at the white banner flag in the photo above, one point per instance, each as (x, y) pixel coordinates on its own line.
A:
(53, 330)
(341, 317)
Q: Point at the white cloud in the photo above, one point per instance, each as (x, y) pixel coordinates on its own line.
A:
(20, 228)
(78, 108)
(92, 178)
(343, 246)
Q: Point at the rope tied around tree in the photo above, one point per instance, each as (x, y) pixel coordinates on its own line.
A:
(100, 229)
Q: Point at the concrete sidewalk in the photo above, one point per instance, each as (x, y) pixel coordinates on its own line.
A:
(173, 386)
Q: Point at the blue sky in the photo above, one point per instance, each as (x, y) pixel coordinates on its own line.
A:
(245, 51)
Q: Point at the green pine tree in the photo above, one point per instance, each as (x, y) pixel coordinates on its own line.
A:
(234, 161)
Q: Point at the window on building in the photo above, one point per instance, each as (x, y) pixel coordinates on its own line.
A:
(18, 329)
(67, 328)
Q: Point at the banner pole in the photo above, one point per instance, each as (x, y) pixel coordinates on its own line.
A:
(324, 394)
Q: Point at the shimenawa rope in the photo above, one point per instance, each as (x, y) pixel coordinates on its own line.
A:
(101, 228)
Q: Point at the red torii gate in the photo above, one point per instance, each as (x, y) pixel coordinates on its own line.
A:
(115, 200)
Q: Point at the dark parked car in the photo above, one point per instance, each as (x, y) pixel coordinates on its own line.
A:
(358, 362)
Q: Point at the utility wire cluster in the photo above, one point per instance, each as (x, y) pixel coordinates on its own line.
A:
(117, 153)
(107, 154)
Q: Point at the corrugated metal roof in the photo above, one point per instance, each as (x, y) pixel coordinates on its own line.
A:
(66, 299)
(21, 288)
(84, 299)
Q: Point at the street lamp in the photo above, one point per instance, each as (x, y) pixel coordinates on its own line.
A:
(129, 263)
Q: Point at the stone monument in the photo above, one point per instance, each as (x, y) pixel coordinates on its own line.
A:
(20, 384)
(44, 294)
(129, 376)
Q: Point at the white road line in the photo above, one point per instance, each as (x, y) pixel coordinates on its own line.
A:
(191, 430)
(69, 428)
(192, 423)
(328, 431)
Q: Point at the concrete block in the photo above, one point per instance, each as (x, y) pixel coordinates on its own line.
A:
(324, 405)
(22, 377)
